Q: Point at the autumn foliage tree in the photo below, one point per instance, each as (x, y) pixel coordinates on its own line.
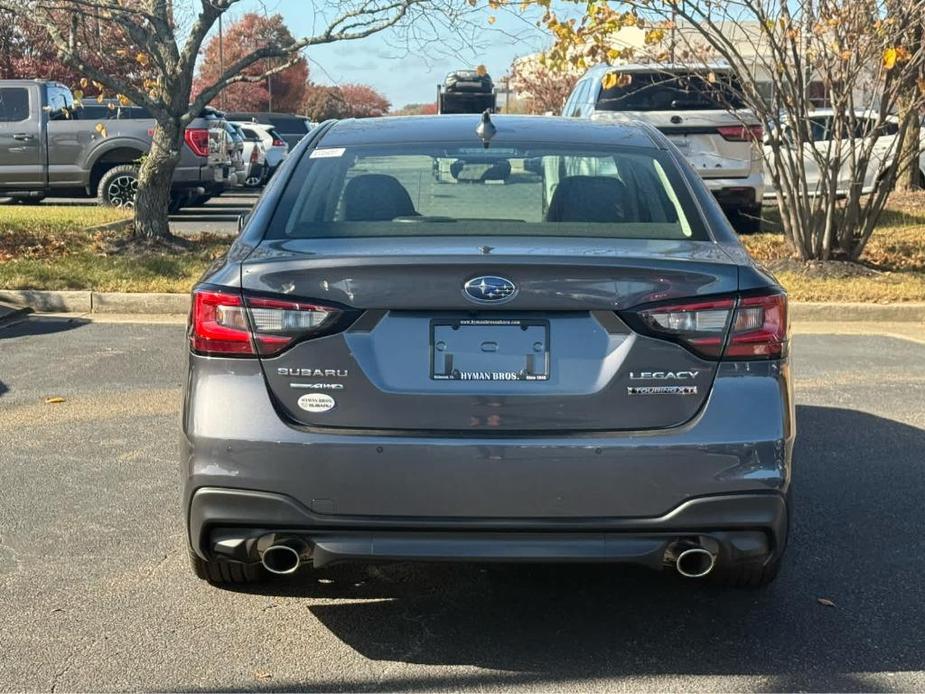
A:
(165, 38)
(416, 110)
(322, 102)
(542, 88)
(364, 101)
(281, 91)
(28, 52)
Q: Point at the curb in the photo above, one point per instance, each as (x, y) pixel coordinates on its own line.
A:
(98, 302)
(845, 312)
(166, 303)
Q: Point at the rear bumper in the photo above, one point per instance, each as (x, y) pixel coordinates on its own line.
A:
(233, 525)
(206, 178)
(739, 442)
(738, 192)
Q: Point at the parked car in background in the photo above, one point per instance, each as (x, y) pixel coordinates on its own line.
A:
(538, 365)
(289, 127)
(239, 164)
(821, 127)
(466, 91)
(275, 147)
(49, 146)
(255, 155)
(700, 112)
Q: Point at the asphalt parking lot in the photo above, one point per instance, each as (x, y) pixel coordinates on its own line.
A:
(97, 594)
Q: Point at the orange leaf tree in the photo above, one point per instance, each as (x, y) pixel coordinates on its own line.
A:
(169, 35)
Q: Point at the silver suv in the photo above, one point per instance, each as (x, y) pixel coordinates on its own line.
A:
(700, 112)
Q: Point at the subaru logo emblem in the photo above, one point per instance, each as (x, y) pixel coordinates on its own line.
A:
(489, 290)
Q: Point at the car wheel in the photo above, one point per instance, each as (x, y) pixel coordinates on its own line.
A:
(755, 574)
(226, 572)
(253, 181)
(118, 186)
(752, 575)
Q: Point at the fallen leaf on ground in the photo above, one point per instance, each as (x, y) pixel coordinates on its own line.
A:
(825, 602)
(263, 675)
(54, 400)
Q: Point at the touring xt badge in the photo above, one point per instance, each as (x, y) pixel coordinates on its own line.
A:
(662, 390)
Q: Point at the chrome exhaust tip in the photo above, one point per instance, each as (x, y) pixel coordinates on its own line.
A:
(696, 562)
(280, 559)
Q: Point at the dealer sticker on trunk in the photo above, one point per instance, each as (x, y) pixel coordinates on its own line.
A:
(316, 402)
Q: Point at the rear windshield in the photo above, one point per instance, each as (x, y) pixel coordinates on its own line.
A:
(654, 91)
(428, 190)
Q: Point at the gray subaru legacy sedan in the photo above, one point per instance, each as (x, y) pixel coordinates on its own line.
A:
(487, 339)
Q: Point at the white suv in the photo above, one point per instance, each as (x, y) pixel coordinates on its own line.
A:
(274, 145)
(700, 113)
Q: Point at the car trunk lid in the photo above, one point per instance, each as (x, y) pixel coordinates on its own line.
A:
(422, 355)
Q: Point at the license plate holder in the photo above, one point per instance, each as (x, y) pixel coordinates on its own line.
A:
(489, 349)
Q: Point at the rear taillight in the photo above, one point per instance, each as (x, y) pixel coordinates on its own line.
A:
(699, 325)
(760, 329)
(255, 155)
(279, 142)
(277, 323)
(223, 323)
(197, 139)
(751, 327)
(218, 324)
(741, 133)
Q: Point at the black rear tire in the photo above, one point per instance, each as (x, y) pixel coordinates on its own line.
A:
(748, 575)
(754, 574)
(117, 187)
(226, 572)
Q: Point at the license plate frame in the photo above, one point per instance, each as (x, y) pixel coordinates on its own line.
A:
(480, 355)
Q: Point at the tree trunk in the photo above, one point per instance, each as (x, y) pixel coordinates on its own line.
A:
(154, 181)
(909, 177)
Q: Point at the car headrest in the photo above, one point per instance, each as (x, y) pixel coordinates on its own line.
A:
(376, 198)
(588, 199)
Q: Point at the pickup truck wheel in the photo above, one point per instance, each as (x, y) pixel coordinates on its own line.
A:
(118, 186)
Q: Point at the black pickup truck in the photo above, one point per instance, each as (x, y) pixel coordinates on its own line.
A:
(50, 147)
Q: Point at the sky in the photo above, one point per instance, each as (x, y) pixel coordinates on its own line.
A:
(408, 74)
